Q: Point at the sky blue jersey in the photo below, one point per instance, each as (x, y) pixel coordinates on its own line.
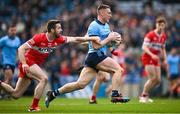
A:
(9, 49)
(173, 62)
(96, 28)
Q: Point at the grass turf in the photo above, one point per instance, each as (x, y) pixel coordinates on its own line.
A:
(81, 106)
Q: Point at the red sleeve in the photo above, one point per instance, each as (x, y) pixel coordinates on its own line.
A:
(62, 39)
(35, 40)
(115, 52)
(149, 35)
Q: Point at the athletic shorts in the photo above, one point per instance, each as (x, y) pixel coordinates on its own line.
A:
(174, 76)
(149, 61)
(8, 66)
(94, 58)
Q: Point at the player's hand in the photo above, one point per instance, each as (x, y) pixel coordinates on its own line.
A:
(25, 68)
(118, 37)
(165, 64)
(112, 36)
(155, 57)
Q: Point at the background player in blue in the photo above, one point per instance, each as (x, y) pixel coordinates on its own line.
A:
(9, 45)
(96, 60)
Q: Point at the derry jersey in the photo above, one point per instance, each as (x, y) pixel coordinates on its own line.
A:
(40, 48)
(155, 43)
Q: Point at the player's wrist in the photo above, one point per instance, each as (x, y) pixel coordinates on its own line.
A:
(152, 55)
(114, 52)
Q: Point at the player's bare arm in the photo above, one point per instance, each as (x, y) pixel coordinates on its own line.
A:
(164, 56)
(145, 48)
(81, 39)
(21, 54)
(111, 37)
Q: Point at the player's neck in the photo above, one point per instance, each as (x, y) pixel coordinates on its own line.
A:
(158, 32)
(101, 20)
(50, 37)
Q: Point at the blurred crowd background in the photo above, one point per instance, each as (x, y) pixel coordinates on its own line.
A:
(133, 19)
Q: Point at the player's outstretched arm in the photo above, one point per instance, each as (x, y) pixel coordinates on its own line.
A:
(81, 39)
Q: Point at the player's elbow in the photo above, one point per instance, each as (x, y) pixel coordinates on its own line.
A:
(20, 49)
(144, 48)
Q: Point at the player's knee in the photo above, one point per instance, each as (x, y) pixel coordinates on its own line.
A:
(119, 70)
(156, 80)
(44, 79)
(80, 85)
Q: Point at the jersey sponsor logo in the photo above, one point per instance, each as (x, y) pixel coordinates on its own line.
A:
(45, 49)
(156, 46)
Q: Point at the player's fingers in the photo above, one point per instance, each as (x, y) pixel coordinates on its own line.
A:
(26, 69)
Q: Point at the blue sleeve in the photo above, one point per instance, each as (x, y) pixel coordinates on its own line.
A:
(93, 30)
(2, 41)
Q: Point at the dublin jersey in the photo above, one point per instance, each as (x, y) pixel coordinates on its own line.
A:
(9, 48)
(40, 47)
(96, 28)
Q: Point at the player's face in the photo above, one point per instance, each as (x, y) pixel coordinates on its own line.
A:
(160, 26)
(58, 30)
(12, 31)
(106, 14)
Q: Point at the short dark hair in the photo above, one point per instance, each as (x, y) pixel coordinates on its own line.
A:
(102, 6)
(11, 25)
(51, 24)
(161, 20)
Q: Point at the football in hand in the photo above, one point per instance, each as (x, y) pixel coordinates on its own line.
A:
(115, 43)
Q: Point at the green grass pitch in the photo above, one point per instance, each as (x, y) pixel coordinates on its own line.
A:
(81, 106)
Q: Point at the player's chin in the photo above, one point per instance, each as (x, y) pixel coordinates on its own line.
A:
(58, 35)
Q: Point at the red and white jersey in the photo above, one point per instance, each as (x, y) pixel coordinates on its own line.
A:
(40, 48)
(155, 42)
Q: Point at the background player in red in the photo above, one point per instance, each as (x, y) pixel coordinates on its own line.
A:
(153, 47)
(32, 54)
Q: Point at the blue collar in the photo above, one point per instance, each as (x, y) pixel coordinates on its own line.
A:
(99, 22)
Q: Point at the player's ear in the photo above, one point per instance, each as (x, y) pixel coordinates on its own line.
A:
(52, 30)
